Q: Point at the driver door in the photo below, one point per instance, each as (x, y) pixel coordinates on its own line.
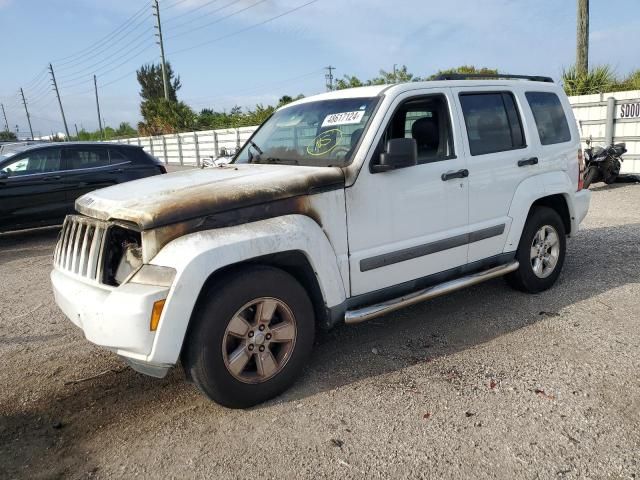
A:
(33, 191)
(410, 223)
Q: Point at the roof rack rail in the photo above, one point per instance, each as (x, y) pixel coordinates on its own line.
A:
(503, 76)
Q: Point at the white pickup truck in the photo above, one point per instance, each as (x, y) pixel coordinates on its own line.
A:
(341, 207)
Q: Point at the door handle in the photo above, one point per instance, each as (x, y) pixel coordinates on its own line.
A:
(54, 177)
(464, 173)
(117, 170)
(528, 161)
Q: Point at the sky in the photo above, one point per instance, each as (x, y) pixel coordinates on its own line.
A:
(244, 52)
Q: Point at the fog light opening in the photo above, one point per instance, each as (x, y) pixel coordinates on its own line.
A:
(156, 312)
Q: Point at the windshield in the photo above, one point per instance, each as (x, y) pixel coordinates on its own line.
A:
(323, 133)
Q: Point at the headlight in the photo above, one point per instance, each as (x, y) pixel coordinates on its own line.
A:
(154, 275)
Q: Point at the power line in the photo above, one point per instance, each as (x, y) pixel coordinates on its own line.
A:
(121, 42)
(95, 45)
(129, 46)
(200, 27)
(202, 100)
(175, 4)
(109, 67)
(189, 12)
(237, 32)
(206, 14)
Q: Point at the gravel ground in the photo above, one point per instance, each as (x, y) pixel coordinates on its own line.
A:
(484, 383)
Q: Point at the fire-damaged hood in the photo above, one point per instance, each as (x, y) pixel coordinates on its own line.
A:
(167, 199)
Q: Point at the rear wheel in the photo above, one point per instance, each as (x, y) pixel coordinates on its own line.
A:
(541, 252)
(250, 338)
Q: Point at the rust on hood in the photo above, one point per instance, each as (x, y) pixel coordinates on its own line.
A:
(220, 194)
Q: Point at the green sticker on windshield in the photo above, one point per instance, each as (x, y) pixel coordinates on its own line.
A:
(325, 142)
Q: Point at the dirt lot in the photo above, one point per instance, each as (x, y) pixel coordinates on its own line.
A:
(485, 383)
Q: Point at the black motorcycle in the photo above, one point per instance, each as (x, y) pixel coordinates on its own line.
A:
(602, 164)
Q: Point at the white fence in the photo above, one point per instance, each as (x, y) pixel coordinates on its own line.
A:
(612, 118)
(192, 147)
(607, 117)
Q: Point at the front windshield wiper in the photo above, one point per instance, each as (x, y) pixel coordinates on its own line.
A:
(282, 161)
(258, 149)
(255, 145)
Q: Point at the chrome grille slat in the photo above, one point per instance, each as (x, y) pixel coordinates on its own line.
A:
(70, 243)
(80, 245)
(65, 245)
(83, 251)
(82, 228)
(92, 261)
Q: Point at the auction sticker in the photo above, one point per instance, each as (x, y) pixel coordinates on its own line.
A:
(344, 118)
(325, 142)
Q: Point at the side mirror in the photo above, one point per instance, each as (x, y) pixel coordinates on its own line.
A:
(400, 153)
(4, 175)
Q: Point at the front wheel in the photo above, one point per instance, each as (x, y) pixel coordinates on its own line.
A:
(541, 252)
(250, 337)
(590, 176)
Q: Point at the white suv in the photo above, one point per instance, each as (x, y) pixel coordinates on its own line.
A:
(341, 207)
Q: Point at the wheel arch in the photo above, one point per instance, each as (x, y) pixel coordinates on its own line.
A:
(293, 262)
(294, 243)
(551, 190)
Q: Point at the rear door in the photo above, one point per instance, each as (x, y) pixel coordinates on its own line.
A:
(499, 157)
(126, 164)
(87, 169)
(32, 190)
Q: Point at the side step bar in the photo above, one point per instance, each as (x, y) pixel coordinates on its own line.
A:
(373, 311)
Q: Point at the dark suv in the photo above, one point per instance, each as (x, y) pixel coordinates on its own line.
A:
(39, 185)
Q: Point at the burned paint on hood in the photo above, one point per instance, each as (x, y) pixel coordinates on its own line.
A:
(176, 197)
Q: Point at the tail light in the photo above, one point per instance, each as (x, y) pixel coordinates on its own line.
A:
(580, 170)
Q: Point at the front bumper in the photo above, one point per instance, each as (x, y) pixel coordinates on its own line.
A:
(116, 318)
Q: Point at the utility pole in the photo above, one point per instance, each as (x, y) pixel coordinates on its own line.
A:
(24, 102)
(55, 86)
(395, 78)
(329, 77)
(76, 127)
(582, 53)
(95, 84)
(165, 80)
(4, 114)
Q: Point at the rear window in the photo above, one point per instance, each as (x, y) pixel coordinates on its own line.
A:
(550, 118)
(492, 121)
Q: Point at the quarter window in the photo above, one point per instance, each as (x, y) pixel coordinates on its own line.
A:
(116, 157)
(492, 121)
(549, 116)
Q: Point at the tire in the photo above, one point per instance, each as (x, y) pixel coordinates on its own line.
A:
(219, 342)
(590, 176)
(527, 278)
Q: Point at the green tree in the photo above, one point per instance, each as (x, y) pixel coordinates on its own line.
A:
(7, 136)
(151, 84)
(164, 116)
(401, 75)
(465, 69)
(348, 81)
(598, 79)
